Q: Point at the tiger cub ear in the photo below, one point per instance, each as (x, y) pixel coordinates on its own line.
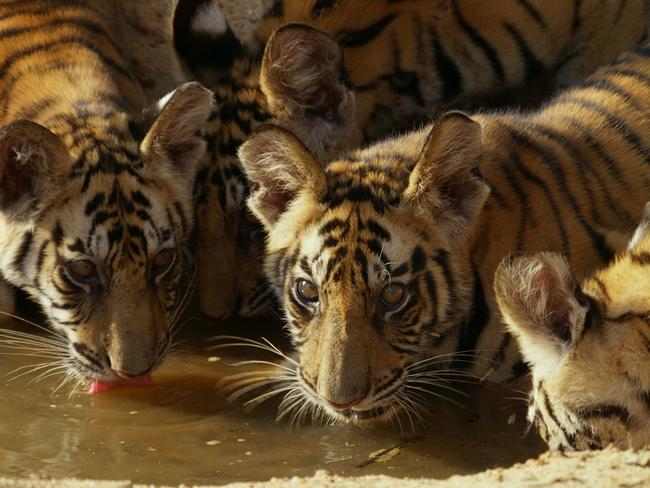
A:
(446, 180)
(280, 169)
(542, 306)
(306, 86)
(175, 128)
(33, 163)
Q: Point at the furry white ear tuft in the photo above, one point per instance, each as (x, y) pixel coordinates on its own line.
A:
(642, 230)
(280, 168)
(209, 19)
(541, 305)
(175, 132)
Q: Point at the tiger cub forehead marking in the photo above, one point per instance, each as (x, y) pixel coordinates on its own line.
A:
(129, 217)
(356, 241)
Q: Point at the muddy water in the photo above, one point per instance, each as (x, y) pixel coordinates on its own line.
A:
(182, 430)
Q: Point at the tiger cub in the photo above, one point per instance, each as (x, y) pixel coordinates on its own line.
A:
(95, 199)
(588, 345)
(384, 260)
(404, 60)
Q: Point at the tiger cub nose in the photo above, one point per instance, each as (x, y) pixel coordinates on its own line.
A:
(344, 406)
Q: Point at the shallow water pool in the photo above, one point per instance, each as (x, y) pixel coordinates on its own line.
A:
(182, 429)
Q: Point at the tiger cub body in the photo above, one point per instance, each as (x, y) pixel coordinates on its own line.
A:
(95, 198)
(405, 60)
(588, 345)
(386, 258)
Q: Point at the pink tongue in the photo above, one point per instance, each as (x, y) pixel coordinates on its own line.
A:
(97, 386)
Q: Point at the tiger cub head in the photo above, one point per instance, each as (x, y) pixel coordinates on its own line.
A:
(300, 85)
(93, 224)
(587, 344)
(368, 257)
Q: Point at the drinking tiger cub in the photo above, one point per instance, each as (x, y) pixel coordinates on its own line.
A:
(384, 260)
(588, 344)
(95, 200)
(404, 60)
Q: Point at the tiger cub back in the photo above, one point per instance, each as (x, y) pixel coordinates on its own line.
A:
(404, 60)
(407, 59)
(384, 260)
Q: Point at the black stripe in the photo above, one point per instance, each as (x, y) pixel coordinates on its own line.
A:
(378, 230)
(418, 260)
(80, 22)
(611, 88)
(583, 165)
(570, 438)
(641, 258)
(448, 73)
(525, 215)
(93, 204)
(621, 413)
(616, 123)
(441, 258)
(631, 73)
(140, 198)
(472, 329)
(643, 51)
(63, 41)
(57, 234)
(84, 352)
(533, 12)
(594, 144)
(550, 159)
(575, 24)
(115, 235)
(432, 291)
(321, 7)
(539, 182)
(348, 39)
(41, 259)
(401, 270)
(362, 262)
(480, 42)
(532, 66)
(181, 215)
(332, 225)
(23, 250)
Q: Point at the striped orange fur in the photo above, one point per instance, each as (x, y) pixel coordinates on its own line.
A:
(95, 198)
(405, 60)
(433, 213)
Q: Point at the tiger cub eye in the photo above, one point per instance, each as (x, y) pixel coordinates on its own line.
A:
(162, 260)
(81, 269)
(307, 291)
(393, 295)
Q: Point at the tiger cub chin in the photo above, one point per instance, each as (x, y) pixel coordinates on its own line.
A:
(587, 344)
(384, 259)
(405, 61)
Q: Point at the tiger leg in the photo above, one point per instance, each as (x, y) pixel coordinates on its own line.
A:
(7, 300)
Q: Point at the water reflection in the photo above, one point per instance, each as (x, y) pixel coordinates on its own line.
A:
(182, 430)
